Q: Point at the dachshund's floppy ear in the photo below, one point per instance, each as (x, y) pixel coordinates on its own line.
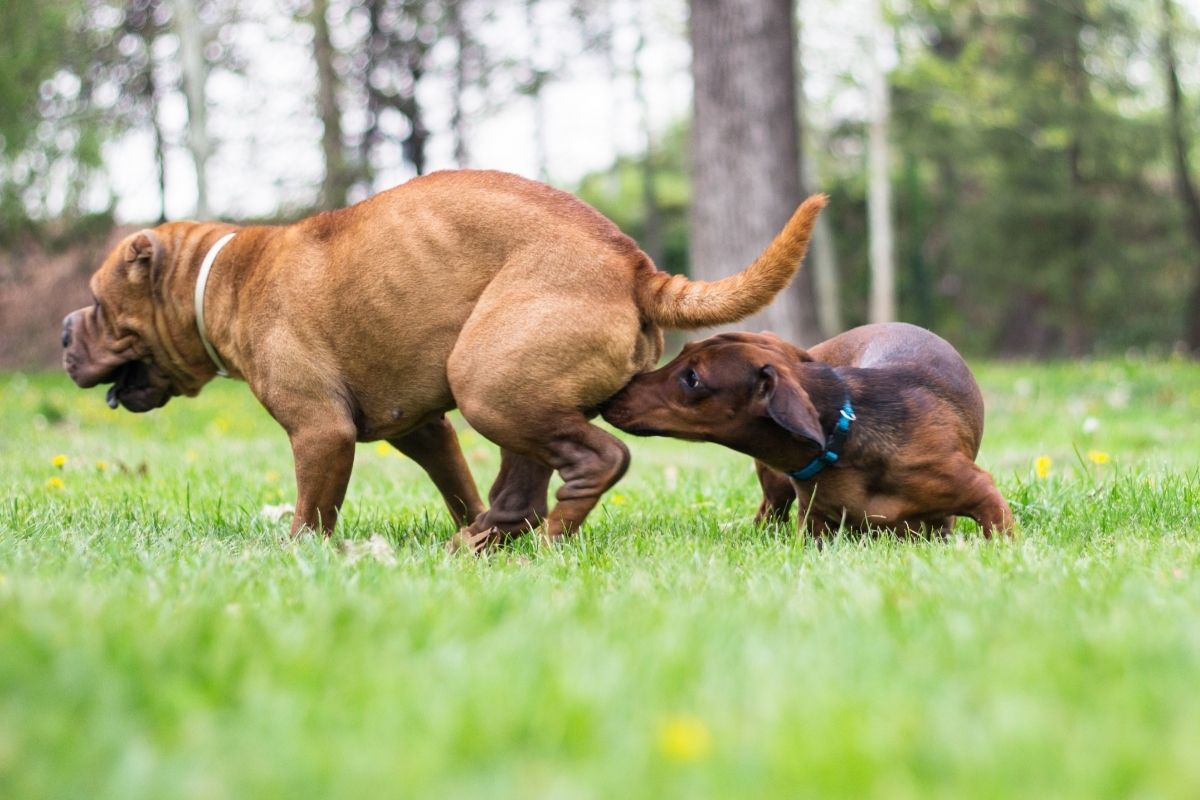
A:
(788, 405)
(143, 254)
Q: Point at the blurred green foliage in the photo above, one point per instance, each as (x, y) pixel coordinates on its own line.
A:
(617, 192)
(51, 134)
(1033, 197)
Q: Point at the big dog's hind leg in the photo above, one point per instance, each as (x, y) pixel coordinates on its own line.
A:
(589, 460)
(517, 502)
(532, 363)
(434, 446)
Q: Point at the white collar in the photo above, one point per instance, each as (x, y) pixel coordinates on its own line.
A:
(201, 283)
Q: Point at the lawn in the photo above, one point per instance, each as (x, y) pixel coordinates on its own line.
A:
(159, 638)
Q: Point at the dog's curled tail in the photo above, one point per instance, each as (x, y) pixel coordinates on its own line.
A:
(673, 301)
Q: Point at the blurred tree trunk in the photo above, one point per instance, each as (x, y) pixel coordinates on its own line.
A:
(195, 75)
(152, 94)
(336, 184)
(746, 148)
(462, 44)
(398, 40)
(160, 147)
(1180, 149)
(536, 83)
(882, 248)
(652, 240)
(1081, 222)
(826, 278)
(914, 207)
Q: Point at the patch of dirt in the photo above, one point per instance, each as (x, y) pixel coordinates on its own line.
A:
(38, 287)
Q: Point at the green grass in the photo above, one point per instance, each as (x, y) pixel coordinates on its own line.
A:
(158, 639)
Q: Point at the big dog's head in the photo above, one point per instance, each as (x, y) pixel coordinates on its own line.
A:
(139, 334)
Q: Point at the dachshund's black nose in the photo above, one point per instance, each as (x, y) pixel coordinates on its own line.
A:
(66, 335)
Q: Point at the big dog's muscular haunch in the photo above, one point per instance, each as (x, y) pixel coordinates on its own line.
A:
(513, 301)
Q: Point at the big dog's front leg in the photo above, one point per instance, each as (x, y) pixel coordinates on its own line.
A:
(324, 453)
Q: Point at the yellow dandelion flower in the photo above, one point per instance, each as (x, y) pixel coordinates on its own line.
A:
(684, 738)
(56, 483)
(101, 465)
(1098, 457)
(618, 499)
(271, 476)
(59, 461)
(383, 448)
(1041, 466)
(222, 424)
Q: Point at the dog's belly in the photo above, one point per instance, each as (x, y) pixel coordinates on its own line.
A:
(875, 511)
(392, 350)
(398, 400)
(885, 510)
(887, 513)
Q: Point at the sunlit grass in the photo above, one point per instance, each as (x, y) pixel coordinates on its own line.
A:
(158, 638)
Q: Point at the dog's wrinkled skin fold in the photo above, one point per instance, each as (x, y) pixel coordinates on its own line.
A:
(909, 461)
(513, 301)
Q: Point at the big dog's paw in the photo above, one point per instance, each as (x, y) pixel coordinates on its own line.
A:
(476, 542)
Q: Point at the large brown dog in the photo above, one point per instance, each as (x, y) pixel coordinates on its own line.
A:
(513, 301)
(879, 426)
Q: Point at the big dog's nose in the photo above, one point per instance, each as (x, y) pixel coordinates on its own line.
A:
(66, 335)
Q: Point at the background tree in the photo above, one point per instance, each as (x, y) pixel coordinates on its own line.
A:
(399, 37)
(51, 125)
(879, 179)
(1042, 152)
(745, 147)
(335, 186)
(1181, 146)
(195, 80)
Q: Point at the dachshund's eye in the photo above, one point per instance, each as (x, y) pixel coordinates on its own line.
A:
(690, 379)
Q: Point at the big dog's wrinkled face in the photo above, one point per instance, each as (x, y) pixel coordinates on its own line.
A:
(114, 339)
(735, 389)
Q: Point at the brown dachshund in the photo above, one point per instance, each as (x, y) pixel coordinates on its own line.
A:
(876, 427)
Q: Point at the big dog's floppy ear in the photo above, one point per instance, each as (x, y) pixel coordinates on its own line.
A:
(789, 405)
(142, 255)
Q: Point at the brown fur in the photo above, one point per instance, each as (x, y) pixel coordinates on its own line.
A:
(909, 461)
(513, 301)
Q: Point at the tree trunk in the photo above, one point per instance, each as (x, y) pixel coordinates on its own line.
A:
(374, 46)
(336, 185)
(652, 240)
(160, 153)
(160, 145)
(746, 148)
(540, 148)
(881, 246)
(1180, 149)
(462, 44)
(195, 74)
(826, 278)
(1081, 224)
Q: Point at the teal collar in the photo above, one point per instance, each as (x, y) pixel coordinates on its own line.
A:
(833, 445)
